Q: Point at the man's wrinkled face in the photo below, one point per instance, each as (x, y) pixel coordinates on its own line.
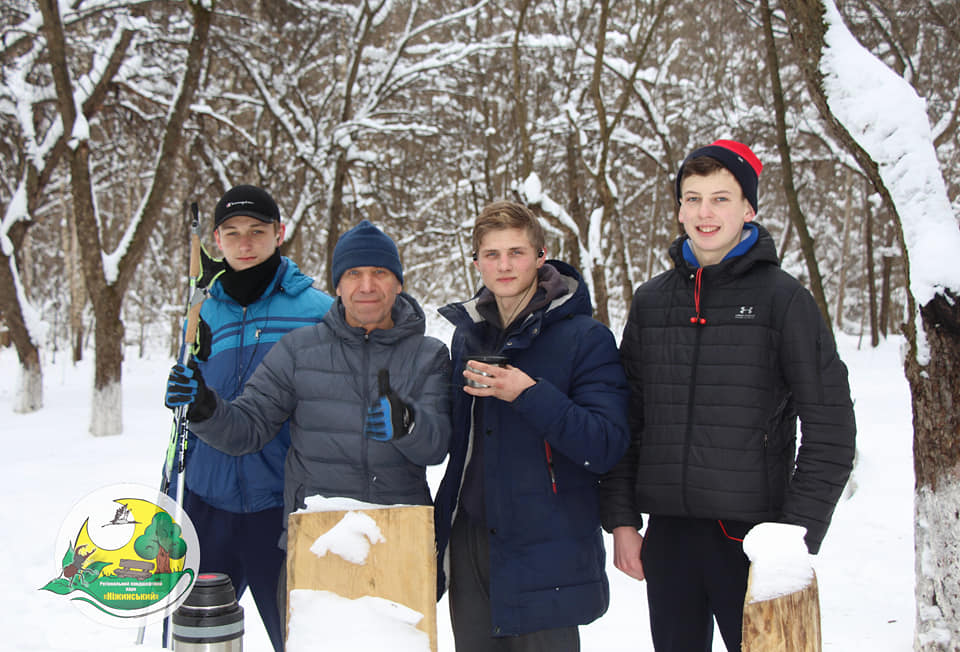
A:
(368, 295)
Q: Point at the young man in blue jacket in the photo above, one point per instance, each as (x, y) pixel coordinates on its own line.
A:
(236, 503)
(518, 524)
(723, 353)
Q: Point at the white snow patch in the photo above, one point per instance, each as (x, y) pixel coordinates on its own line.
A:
(338, 504)
(780, 564)
(350, 538)
(327, 620)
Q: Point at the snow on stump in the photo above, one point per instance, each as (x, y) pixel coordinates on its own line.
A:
(781, 610)
(359, 551)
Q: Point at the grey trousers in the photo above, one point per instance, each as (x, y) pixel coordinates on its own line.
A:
(469, 599)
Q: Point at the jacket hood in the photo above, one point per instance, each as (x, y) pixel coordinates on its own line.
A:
(576, 301)
(288, 279)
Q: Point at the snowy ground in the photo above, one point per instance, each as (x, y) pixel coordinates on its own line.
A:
(49, 462)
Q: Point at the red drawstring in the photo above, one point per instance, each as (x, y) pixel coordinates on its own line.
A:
(697, 281)
(553, 477)
(725, 532)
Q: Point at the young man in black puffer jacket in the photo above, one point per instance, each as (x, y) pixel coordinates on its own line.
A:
(723, 354)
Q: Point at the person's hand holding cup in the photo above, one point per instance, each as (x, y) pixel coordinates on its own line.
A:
(492, 375)
(484, 359)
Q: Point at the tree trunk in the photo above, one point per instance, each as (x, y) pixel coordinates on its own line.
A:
(934, 378)
(163, 560)
(106, 414)
(106, 295)
(932, 367)
(28, 395)
(796, 213)
(868, 263)
(574, 197)
(601, 181)
(335, 213)
(78, 289)
(519, 97)
(788, 623)
(844, 250)
(886, 269)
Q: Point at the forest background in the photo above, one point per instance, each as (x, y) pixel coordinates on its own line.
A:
(115, 115)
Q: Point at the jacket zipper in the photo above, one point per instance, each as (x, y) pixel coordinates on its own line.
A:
(364, 461)
(698, 321)
(244, 499)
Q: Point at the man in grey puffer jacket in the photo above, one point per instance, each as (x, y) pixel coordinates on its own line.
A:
(365, 390)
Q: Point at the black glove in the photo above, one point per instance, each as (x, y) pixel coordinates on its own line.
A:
(389, 417)
(185, 387)
(201, 348)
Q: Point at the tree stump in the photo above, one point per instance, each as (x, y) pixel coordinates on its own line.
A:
(789, 623)
(402, 568)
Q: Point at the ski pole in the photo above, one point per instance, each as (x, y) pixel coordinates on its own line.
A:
(178, 434)
(177, 446)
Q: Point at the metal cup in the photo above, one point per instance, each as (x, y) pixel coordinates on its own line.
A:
(497, 360)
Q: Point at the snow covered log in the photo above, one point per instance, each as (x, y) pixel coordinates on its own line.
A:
(386, 552)
(787, 623)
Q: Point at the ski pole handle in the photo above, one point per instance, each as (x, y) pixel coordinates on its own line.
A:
(193, 313)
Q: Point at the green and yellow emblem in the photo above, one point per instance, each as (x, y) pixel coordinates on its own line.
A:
(127, 556)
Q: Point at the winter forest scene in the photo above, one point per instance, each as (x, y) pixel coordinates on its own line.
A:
(118, 114)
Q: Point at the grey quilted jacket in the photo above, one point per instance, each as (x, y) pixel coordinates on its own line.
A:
(322, 377)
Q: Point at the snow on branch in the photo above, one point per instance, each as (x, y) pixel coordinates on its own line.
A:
(887, 118)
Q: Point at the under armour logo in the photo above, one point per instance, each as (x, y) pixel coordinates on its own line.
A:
(746, 312)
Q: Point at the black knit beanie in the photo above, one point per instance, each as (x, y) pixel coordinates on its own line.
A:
(736, 157)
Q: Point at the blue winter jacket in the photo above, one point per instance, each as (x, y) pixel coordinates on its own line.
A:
(547, 560)
(241, 336)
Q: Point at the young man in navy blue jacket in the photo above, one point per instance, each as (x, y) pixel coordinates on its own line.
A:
(518, 527)
(723, 354)
(236, 502)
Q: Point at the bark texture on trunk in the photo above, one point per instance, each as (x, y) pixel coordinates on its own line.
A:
(935, 387)
(932, 367)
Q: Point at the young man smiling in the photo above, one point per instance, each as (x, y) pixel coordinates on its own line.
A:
(723, 353)
(518, 528)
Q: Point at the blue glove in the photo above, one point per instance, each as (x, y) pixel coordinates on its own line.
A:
(185, 387)
(389, 417)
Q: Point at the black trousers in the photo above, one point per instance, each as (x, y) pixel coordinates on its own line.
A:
(695, 573)
(469, 599)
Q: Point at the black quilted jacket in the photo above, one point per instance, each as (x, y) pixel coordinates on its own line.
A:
(721, 362)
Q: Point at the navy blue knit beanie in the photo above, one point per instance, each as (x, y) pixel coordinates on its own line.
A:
(365, 246)
(736, 157)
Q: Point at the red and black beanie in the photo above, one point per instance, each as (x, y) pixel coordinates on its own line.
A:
(736, 157)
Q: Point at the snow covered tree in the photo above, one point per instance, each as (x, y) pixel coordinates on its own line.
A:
(895, 148)
(36, 144)
(108, 275)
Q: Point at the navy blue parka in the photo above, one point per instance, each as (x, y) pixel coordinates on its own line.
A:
(547, 557)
